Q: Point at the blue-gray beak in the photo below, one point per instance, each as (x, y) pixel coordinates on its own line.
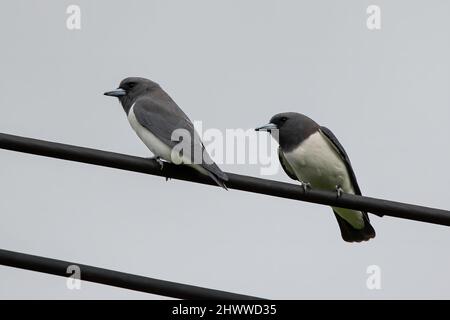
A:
(267, 127)
(119, 92)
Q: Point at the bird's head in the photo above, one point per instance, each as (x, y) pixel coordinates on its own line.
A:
(281, 121)
(130, 88)
(288, 127)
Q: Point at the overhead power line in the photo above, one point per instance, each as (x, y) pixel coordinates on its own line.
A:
(116, 278)
(236, 181)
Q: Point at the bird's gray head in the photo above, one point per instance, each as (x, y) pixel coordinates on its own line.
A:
(131, 88)
(290, 129)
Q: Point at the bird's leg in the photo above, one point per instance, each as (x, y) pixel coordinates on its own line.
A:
(305, 186)
(339, 191)
(159, 160)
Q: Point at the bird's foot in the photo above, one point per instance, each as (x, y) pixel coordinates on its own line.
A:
(159, 160)
(305, 186)
(339, 191)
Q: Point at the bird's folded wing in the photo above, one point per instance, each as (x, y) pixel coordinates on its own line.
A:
(286, 166)
(163, 118)
(340, 149)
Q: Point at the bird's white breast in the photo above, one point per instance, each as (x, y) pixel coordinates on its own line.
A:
(156, 146)
(318, 162)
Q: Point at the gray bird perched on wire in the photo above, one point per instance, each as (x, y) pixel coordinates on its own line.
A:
(164, 128)
(313, 155)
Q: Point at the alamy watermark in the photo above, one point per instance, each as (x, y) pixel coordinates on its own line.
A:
(374, 19)
(235, 146)
(74, 280)
(73, 21)
(373, 281)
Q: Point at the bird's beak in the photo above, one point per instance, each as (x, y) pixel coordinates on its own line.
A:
(119, 92)
(267, 127)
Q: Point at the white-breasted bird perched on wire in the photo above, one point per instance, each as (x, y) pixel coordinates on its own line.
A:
(313, 155)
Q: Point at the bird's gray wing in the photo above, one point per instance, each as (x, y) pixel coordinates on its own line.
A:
(285, 165)
(335, 142)
(162, 118)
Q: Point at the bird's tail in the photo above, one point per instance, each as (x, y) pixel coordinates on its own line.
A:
(219, 180)
(350, 234)
(214, 172)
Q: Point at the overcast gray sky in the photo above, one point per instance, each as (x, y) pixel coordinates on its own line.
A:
(231, 64)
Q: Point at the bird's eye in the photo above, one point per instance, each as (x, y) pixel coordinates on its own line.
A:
(131, 84)
(283, 119)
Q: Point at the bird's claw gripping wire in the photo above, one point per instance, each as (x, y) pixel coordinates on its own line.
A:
(159, 160)
(305, 186)
(161, 164)
(339, 191)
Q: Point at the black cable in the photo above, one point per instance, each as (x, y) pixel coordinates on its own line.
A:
(238, 182)
(116, 278)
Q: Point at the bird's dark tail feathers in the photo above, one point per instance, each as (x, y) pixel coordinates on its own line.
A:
(350, 234)
(218, 180)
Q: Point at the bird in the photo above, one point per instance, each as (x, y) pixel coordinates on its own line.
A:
(312, 154)
(164, 128)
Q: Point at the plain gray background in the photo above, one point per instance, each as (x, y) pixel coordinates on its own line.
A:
(232, 64)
